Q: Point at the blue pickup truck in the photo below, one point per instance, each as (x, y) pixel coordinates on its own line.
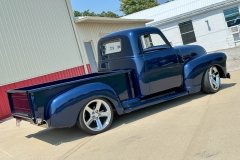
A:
(137, 68)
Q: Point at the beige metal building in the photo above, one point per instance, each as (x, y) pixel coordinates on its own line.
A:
(41, 41)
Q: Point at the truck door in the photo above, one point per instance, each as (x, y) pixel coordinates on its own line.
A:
(161, 67)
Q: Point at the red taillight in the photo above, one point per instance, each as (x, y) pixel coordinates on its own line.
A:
(20, 103)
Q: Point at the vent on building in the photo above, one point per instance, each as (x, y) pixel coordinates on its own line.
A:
(234, 29)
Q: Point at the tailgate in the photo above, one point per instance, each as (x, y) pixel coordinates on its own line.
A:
(20, 104)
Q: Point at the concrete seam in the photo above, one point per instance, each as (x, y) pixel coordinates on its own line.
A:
(78, 148)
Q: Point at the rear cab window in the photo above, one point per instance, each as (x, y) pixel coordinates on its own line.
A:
(111, 46)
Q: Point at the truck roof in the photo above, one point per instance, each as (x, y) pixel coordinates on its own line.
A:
(131, 31)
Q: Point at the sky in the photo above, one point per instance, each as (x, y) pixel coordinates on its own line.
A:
(98, 6)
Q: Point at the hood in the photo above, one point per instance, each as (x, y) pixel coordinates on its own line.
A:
(189, 52)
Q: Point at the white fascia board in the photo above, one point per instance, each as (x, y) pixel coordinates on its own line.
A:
(110, 20)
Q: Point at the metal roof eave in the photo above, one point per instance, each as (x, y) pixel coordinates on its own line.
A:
(110, 20)
(195, 12)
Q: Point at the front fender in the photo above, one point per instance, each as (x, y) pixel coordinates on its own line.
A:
(63, 110)
(194, 69)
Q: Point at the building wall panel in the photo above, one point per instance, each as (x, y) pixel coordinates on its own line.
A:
(36, 38)
(212, 32)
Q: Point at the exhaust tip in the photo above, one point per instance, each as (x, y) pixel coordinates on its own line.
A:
(228, 75)
(39, 120)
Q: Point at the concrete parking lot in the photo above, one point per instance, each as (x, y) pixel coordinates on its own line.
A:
(197, 126)
(233, 58)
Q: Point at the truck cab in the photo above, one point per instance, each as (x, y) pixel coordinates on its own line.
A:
(156, 64)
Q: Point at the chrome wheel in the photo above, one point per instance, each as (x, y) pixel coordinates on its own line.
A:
(97, 115)
(214, 78)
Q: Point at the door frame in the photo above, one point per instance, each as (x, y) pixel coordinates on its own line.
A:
(93, 49)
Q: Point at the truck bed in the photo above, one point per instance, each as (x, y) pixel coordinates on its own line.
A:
(30, 102)
(59, 82)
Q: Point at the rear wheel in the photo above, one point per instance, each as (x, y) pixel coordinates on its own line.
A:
(211, 80)
(96, 116)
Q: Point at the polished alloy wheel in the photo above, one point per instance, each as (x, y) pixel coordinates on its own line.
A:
(97, 115)
(214, 78)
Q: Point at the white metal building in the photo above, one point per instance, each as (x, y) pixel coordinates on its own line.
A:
(213, 24)
(40, 41)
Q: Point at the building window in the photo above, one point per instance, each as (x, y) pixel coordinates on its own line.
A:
(187, 32)
(112, 46)
(232, 16)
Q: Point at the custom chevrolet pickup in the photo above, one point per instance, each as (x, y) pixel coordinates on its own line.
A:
(136, 68)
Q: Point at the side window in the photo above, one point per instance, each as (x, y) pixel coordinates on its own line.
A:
(232, 16)
(112, 46)
(152, 40)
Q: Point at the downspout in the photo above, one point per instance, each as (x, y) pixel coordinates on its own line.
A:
(70, 13)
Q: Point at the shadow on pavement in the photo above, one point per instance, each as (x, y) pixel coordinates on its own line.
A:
(151, 110)
(58, 136)
(224, 86)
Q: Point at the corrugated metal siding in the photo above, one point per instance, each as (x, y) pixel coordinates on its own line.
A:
(36, 38)
(173, 8)
(4, 105)
(89, 68)
(94, 31)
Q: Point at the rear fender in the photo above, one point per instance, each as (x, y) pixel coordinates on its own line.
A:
(194, 69)
(63, 110)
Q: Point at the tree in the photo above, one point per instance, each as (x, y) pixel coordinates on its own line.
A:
(132, 6)
(103, 14)
(108, 14)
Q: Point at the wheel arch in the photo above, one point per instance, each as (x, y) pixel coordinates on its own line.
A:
(221, 71)
(64, 109)
(195, 69)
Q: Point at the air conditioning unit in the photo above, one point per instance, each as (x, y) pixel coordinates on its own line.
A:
(234, 29)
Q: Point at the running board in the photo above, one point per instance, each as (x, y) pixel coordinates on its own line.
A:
(138, 103)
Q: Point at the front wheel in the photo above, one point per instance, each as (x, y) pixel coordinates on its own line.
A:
(211, 80)
(96, 116)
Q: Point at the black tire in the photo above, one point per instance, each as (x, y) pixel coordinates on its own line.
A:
(207, 82)
(95, 118)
